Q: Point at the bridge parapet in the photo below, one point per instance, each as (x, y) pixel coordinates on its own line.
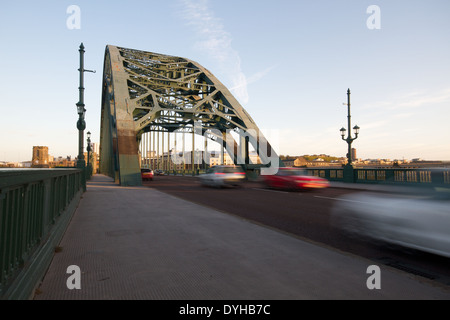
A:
(35, 208)
(423, 177)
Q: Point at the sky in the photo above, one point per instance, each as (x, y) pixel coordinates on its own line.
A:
(289, 63)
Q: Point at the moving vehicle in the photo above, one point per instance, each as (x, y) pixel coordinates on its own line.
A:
(159, 172)
(146, 174)
(416, 220)
(294, 179)
(223, 176)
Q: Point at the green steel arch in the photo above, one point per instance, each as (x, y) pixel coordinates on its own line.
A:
(146, 91)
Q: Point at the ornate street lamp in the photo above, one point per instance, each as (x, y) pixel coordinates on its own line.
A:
(81, 124)
(343, 130)
(349, 138)
(88, 146)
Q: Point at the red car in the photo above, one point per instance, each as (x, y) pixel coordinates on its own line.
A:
(146, 174)
(294, 179)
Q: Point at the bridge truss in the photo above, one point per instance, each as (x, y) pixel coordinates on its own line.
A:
(149, 92)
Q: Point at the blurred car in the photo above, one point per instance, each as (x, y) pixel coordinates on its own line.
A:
(419, 220)
(294, 179)
(146, 174)
(159, 172)
(223, 176)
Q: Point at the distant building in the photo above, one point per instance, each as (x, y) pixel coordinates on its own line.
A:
(289, 162)
(300, 162)
(93, 161)
(176, 160)
(27, 164)
(63, 162)
(7, 164)
(420, 163)
(96, 147)
(215, 158)
(40, 157)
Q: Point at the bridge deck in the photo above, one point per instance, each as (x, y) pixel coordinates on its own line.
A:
(139, 243)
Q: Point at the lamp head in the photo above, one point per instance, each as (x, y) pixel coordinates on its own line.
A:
(80, 109)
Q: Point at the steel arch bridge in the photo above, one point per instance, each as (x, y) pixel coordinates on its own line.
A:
(150, 92)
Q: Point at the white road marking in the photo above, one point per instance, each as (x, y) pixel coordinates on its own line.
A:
(270, 190)
(340, 199)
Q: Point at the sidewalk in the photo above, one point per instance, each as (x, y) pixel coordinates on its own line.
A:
(139, 243)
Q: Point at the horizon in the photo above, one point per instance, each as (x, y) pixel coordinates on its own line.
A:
(280, 156)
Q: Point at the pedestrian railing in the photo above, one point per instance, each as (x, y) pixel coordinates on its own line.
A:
(35, 208)
(405, 176)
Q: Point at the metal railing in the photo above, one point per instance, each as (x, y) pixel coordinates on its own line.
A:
(35, 208)
(405, 176)
(398, 176)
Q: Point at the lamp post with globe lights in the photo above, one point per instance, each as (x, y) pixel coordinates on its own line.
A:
(348, 169)
(89, 149)
(81, 123)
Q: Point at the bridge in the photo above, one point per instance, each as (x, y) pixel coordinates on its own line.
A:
(149, 99)
(146, 94)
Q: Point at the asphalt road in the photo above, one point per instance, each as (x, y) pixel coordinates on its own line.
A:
(304, 214)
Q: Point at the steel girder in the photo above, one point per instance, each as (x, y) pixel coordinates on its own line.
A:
(145, 91)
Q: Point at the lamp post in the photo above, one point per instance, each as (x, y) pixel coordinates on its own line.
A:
(88, 147)
(349, 138)
(349, 175)
(81, 123)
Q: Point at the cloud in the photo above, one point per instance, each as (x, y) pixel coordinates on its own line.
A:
(255, 77)
(216, 42)
(412, 100)
(425, 99)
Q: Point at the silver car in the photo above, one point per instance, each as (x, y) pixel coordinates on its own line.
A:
(223, 176)
(419, 221)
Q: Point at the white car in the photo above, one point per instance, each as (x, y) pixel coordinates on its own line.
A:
(223, 176)
(419, 221)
